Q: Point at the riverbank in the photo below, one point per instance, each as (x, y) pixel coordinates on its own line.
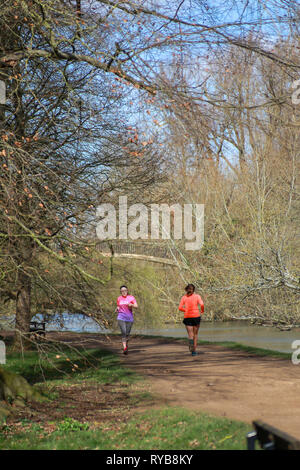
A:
(237, 331)
(97, 402)
(230, 383)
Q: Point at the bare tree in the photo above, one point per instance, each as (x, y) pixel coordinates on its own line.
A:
(251, 251)
(60, 143)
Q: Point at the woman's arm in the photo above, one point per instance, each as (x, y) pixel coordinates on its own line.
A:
(200, 302)
(133, 303)
(181, 305)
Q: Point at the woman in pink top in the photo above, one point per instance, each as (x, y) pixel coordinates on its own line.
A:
(125, 303)
(189, 305)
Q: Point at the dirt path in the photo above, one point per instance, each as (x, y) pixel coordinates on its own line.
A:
(220, 381)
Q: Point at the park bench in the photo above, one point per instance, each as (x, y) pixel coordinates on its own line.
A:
(270, 438)
(37, 328)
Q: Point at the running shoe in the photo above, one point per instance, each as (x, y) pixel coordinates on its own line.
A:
(194, 353)
(125, 351)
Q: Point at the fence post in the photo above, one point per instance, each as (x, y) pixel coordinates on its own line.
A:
(2, 92)
(2, 353)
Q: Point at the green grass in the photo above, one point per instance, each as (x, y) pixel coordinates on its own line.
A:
(163, 429)
(56, 367)
(251, 349)
(228, 344)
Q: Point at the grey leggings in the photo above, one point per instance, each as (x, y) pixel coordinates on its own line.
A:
(125, 327)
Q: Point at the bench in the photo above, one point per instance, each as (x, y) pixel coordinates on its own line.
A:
(270, 438)
(37, 328)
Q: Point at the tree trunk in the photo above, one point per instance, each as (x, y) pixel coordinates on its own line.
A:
(23, 314)
(15, 389)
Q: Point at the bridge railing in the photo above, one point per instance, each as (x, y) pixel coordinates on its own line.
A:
(138, 248)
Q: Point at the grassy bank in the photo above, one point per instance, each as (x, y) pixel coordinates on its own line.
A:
(251, 349)
(97, 403)
(160, 429)
(227, 344)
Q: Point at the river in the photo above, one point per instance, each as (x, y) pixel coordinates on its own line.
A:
(237, 331)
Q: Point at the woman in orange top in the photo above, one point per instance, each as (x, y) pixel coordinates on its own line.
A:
(189, 305)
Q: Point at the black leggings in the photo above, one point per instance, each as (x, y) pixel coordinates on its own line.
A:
(125, 327)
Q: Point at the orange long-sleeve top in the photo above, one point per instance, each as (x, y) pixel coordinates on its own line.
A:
(189, 305)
